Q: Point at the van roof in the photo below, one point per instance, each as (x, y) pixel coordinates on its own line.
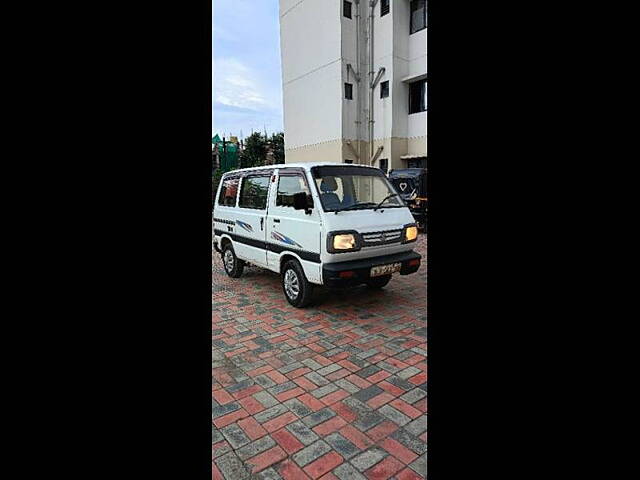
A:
(306, 166)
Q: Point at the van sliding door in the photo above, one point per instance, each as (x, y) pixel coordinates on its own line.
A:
(251, 217)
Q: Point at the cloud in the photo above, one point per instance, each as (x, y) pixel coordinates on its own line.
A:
(247, 81)
(235, 85)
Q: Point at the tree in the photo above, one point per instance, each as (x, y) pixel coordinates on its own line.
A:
(215, 181)
(277, 145)
(255, 151)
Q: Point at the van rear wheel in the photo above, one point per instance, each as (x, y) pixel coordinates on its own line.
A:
(378, 282)
(232, 264)
(296, 288)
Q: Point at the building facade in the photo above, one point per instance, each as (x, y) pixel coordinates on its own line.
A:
(354, 79)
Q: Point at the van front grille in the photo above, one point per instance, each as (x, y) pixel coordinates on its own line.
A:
(374, 239)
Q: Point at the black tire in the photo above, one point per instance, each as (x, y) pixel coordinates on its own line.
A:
(378, 282)
(232, 264)
(293, 281)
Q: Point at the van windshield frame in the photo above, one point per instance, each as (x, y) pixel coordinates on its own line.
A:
(349, 172)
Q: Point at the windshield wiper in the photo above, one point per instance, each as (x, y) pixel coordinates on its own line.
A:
(353, 207)
(385, 199)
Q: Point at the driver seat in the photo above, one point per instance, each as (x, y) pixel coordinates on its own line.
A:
(328, 186)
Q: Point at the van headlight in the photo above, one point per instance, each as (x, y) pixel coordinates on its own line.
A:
(409, 233)
(346, 241)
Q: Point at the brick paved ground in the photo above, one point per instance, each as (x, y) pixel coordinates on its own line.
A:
(334, 391)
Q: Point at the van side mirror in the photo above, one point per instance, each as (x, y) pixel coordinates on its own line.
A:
(302, 201)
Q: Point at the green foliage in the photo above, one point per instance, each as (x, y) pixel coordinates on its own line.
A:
(255, 151)
(277, 144)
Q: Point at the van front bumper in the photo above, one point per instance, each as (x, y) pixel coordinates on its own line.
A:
(362, 268)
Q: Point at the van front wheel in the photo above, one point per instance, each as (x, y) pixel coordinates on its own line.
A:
(295, 285)
(232, 264)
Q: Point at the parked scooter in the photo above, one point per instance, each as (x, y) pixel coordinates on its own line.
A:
(411, 184)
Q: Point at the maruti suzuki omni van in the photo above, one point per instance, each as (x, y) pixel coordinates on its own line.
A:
(326, 224)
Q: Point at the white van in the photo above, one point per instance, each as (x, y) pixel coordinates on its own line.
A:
(326, 224)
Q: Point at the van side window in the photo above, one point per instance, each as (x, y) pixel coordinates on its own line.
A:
(253, 193)
(288, 186)
(228, 192)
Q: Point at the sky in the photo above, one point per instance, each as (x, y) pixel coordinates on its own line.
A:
(247, 80)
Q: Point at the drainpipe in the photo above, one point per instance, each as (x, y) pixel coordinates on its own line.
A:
(358, 93)
(372, 4)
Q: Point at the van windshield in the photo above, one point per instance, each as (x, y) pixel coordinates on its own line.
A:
(354, 188)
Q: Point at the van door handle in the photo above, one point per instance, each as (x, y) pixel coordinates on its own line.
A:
(261, 223)
(276, 220)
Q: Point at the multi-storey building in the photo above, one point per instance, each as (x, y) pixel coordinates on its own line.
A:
(354, 79)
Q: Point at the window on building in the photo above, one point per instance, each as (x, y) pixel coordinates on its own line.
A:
(420, 162)
(418, 20)
(418, 96)
(348, 161)
(288, 186)
(384, 89)
(384, 165)
(253, 193)
(346, 9)
(228, 192)
(384, 7)
(348, 91)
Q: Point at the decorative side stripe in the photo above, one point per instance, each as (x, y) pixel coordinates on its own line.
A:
(272, 247)
(244, 225)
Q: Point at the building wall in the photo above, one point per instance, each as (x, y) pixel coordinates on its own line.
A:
(317, 44)
(311, 58)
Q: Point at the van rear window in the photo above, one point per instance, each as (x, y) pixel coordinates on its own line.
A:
(228, 192)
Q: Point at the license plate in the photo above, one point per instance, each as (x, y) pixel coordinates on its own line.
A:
(385, 269)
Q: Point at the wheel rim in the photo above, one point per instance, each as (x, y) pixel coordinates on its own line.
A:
(228, 260)
(291, 284)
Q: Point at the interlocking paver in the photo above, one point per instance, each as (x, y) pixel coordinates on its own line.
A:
(344, 380)
(413, 396)
(318, 417)
(420, 465)
(368, 458)
(256, 447)
(271, 413)
(287, 441)
(409, 440)
(224, 409)
(418, 426)
(290, 471)
(297, 407)
(266, 459)
(368, 393)
(231, 467)
(346, 471)
(302, 432)
(265, 399)
(310, 453)
(324, 464)
(384, 469)
(347, 385)
(341, 445)
(398, 450)
(394, 415)
(322, 391)
(235, 436)
(268, 474)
